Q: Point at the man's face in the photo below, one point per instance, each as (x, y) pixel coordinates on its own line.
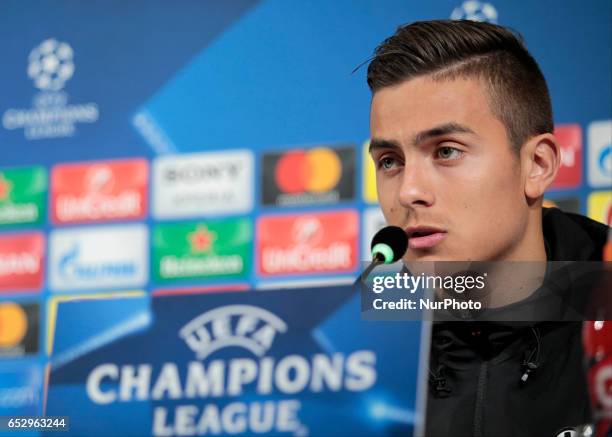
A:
(445, 171)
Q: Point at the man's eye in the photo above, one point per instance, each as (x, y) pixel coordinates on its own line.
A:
(448, 153)
(386, 163)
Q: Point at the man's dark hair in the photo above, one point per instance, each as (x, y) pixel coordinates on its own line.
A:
(446, 49)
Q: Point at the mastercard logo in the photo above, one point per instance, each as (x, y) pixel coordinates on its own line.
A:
(314, 171)
(13, 324)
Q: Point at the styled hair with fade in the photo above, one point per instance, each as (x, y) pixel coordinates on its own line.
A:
(445, 50)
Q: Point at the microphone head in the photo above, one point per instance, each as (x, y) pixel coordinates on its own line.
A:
(389, 244)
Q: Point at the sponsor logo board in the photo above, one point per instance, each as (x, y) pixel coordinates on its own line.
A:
(99, 191)
(320, 175)
(570, 170)
(23, 196)
(19, 329)
(308, 243)
(21, 262)
(203, 184)
(21, 390)
(599, 206)
(202, 250)
(99, 258)
(600, 154)
(369, 176)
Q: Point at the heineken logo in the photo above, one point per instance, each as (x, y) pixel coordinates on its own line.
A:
(201, 239)
(244, 326)
(5, 188)
(202, 250)
(22, 195)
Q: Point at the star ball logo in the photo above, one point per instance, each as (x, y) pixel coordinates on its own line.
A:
(201, 239)
(475, 11)
(50, 65)
(320, 175)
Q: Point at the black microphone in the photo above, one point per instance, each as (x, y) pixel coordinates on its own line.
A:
(388, 245)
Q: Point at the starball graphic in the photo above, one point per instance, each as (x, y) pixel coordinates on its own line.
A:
(51, 65)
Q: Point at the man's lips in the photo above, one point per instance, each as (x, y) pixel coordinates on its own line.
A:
(424, 237)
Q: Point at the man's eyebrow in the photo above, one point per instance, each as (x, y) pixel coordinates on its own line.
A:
(379, 143)
(421, 137)
(443, 129)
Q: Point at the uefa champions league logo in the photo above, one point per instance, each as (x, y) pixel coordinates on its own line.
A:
(475, 11)
(50, 65)
(245, 326)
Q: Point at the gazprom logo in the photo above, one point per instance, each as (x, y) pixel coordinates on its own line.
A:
(96, 258)
(71, 267)
(599, 136)
(245, 326)
(604, 160)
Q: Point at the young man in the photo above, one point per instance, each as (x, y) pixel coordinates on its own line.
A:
(462, 140)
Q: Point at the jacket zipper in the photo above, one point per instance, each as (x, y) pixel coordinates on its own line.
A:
(480, 398)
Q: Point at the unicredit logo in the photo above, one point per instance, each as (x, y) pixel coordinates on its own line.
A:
(102, 191)
(568, 156)
(307, 230)
(313, 171)
(99, 201)
(245, 326)
(19, 263)
(307, 253)
(100, 179)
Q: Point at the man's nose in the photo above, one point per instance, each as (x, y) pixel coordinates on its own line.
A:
(416, 189)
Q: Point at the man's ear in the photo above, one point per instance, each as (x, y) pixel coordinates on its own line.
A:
(540, 160)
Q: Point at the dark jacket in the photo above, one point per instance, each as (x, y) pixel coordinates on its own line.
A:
(476, 368)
